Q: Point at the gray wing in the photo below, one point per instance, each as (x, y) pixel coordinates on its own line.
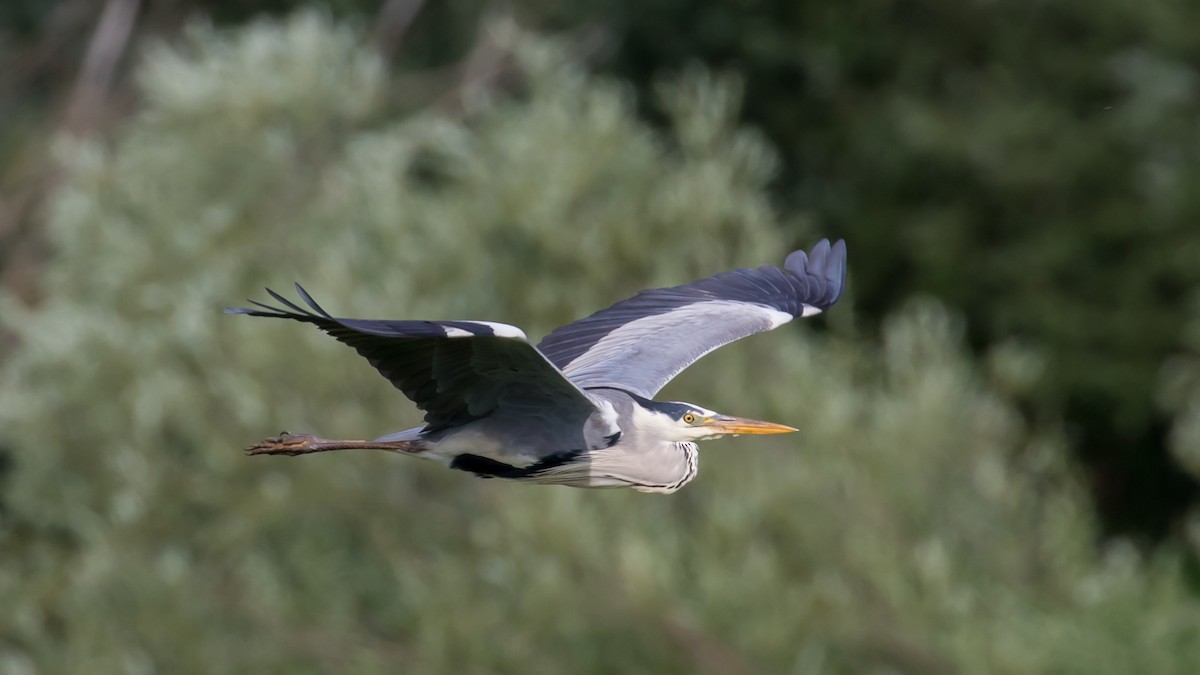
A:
(456, 371)
(641, 343)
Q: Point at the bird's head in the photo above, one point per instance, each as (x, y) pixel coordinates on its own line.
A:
(678, 421)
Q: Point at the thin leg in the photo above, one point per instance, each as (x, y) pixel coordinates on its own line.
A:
(302, 444)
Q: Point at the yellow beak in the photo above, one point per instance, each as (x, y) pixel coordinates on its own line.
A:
(724, 424)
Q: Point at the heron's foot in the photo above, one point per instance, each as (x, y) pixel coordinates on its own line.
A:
(286, 444)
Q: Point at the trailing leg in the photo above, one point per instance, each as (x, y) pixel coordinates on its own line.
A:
(303, 444)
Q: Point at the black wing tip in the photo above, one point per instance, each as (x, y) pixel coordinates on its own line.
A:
(824, 263)
(310, 302)
(839, 261)
(289, 309)
(823, 259)
(259, 309)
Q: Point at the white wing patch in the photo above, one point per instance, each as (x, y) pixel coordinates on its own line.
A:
(809, 310)
(504, 330)
(498, 329)
(779, 318)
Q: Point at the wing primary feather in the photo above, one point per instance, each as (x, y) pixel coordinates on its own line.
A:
(289, 304)
(312, 303)
(272, 310)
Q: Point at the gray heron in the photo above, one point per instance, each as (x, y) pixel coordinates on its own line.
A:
(578, 408)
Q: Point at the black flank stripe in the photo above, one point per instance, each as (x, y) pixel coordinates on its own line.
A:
(485, 467)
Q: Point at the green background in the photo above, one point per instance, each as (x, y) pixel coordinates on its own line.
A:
(999, 422)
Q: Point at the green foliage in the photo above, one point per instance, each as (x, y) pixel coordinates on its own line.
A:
(914, 526)
(1179, 395)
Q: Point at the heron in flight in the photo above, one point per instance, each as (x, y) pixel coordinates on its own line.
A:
(577, 408)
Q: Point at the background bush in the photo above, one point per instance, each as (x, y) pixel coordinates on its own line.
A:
(926, 519)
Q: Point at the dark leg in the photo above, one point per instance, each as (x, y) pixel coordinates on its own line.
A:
(302, 444)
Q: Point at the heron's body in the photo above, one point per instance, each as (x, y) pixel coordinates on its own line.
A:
(577, 409)
(604, 454)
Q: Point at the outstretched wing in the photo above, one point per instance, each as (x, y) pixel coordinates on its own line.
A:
(456, 371)
(641, 343)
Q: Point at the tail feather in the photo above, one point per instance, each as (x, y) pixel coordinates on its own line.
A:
(406, 435)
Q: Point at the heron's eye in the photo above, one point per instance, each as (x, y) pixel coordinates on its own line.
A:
(689, 418)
